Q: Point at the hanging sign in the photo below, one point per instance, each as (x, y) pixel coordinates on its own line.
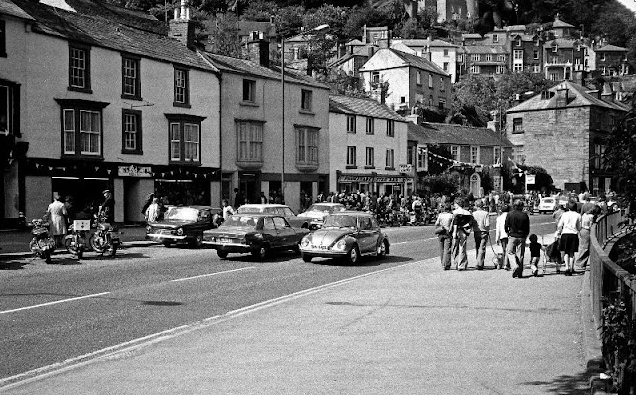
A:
(530, 179)
(134, 171)
(405, 168)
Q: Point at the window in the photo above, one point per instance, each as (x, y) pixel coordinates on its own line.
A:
(460, 58)
(307, 146)
(181, 88)
(409, 155)
(442, 103)
(375, 77)
(517, 54)
(442, 86)
(421, 158)
(3, 39)
(517, 67)
(131, 132)
(351, 123)
(474, 69)
(10, 108)
(495, 38)
(81, 127)
(390, 128)
(454, 149)
(370, 157)
(474, 57)
(185, 137)
(351, 156)
(536, 68)
(250, 141)
(430, 80)
(517, 125)
(496, 155)
(130, 79)
(599, 152)
(535, 54)
(445, 64)
(474, 154)
(603, 56)
(249, 91)
(418, 77)
(305, 100)
(390, 159)
(445, 53)
(370, 126)
(555, 49)
(79, 68)
(488, 57)
(518, 42)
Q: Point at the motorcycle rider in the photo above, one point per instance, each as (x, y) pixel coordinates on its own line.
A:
(107, 208)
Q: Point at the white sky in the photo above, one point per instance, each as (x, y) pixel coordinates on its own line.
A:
(631, 4)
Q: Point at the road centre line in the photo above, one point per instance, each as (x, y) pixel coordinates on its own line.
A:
(212, 274)
(55, 302)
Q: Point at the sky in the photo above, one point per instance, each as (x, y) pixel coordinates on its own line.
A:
(631, 4)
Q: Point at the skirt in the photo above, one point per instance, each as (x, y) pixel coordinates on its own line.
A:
(569, 243)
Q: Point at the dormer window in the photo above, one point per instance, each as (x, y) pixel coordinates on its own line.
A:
(518, 42)
(495, 38)
(555, 48)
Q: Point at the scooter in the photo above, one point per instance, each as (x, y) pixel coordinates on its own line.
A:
(42, 244)
(75, 240)
(105, 238)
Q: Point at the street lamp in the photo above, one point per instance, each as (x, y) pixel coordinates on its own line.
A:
(320, 28)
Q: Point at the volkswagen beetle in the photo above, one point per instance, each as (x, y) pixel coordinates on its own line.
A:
(346, 235)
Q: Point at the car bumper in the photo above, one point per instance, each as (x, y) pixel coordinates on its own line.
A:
(229, 247)
(159, 238)
(323, 253)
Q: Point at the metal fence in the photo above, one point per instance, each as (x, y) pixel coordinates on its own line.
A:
(607, 279)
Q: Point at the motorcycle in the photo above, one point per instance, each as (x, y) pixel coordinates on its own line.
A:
(42, 244)
(75, 240)
(105, 238)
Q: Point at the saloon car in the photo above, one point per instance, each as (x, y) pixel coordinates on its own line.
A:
(257, 234)
(278, 209)
(184, 225)
(317, 212)
(346, 235)
(547, 205)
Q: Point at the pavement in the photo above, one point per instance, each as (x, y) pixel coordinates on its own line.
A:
(410, 329)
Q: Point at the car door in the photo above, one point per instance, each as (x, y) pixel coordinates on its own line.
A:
(285, 232)
(270, 233)
(366, 240)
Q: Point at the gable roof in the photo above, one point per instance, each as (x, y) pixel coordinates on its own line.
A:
(479, 49)
(578, 96)
(355, 41)
(246, 27)
(611, 48)
(7, 7)
(111, 30)
(452, 134)
(426, 42)
(560, 24)
(249, 68)
(362, 106)
(562, 43)
(411, 60)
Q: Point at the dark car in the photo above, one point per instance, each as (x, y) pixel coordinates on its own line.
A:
(277, 209)
(257, 234)
(184, 225)
(346, 235)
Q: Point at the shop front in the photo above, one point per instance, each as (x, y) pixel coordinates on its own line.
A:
(375, 182)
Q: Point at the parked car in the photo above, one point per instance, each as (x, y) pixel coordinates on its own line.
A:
(184, 225)
(277, 209)
(317, 212)
(257, 234)
(346, 235)
(547, 205)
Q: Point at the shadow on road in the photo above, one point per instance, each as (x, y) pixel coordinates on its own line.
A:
(364, 261)
(578, 384)
(12, 264)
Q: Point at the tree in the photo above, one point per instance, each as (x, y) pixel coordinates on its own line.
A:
(335, 17)
(223, 36)
(260, 10)
(342, 83)
(289, 20)
(620, 157)
(445, 184)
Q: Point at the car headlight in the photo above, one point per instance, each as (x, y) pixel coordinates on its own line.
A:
(305, 242)
(180, 231)
(340, 245)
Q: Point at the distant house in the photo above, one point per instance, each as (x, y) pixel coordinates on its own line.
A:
(611, 60)
(485, 60)
(367, 144)
(356, 56)
(563, 58)
(565, 130)
(412, 80)
(442, 53)
(527, 53)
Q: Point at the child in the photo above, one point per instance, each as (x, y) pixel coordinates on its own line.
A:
(535, 254)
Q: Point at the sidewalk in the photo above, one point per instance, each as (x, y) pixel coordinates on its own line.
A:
(412, 329)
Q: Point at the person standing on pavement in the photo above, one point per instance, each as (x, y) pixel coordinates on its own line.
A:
(502, 237)
(568, 233)
(518, 227)
(445, 222)
(481, 228)
(56, 214)
(587, 219)
(462, 225)
(152, 212)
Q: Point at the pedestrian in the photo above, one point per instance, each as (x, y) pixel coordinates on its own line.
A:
(443, 229)
(462, 225)
(556, 215)
(481, 229)
(70, 210)
(518, 227)
(227, 210)
(535, 254)
(568, 233)
(502, 237)
(587, 219)
(238, 198)
(147, 203)
(106, 210)
(152, 212)
(56, 214)
(263, 198)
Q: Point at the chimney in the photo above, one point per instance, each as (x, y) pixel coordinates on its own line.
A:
(181, 27)
(258, 49)
(608, 94)
(562, 96)
(413, 118)
(370, 51)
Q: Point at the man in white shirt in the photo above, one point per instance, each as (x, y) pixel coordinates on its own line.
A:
(481, 227)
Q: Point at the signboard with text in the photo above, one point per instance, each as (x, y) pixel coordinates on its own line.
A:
(530, 179)
(134, 171)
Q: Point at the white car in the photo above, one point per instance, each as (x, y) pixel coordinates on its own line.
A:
(275, 209)
(317, 212)
(547, 205)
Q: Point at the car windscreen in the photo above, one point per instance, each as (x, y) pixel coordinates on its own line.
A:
(319, 208)
(248, 210)
(181, 214)
(340, 221)
(240, 221)
(547, 200)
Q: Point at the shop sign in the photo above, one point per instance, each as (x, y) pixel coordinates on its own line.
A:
(405, 168)
(134, 171)
(530, 179)
(387, 179)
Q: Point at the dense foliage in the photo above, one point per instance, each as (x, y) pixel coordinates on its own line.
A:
(620, 156)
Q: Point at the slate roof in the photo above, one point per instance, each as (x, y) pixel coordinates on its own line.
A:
(414, 61)
(562, 43)
(425, 42)
(247, 67)
(355, 42)
(445, 133)
(361, 106)
(111, 30)
(611, 48)
(479, 49)
(7, 7)
(246, 27)
(578, 96)
(560, 24)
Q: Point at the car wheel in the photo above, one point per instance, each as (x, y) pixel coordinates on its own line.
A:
(221, 254)
(297, 248)
(354, 255)
(167, 244)
(261, 253)
(306, 258)
(198, 241)
(382, 249)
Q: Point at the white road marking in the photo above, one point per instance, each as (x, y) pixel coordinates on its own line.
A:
(55, 302)
(212, 274)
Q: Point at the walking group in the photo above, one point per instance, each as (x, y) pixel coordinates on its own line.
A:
(456, 223)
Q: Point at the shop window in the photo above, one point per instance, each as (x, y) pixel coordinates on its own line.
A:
(131, 132)
(306, 147)
(79, 69)
(130, 78)
(351, 156)
(185, 137)
(181, 87)
(249, 91)
(82, 134)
